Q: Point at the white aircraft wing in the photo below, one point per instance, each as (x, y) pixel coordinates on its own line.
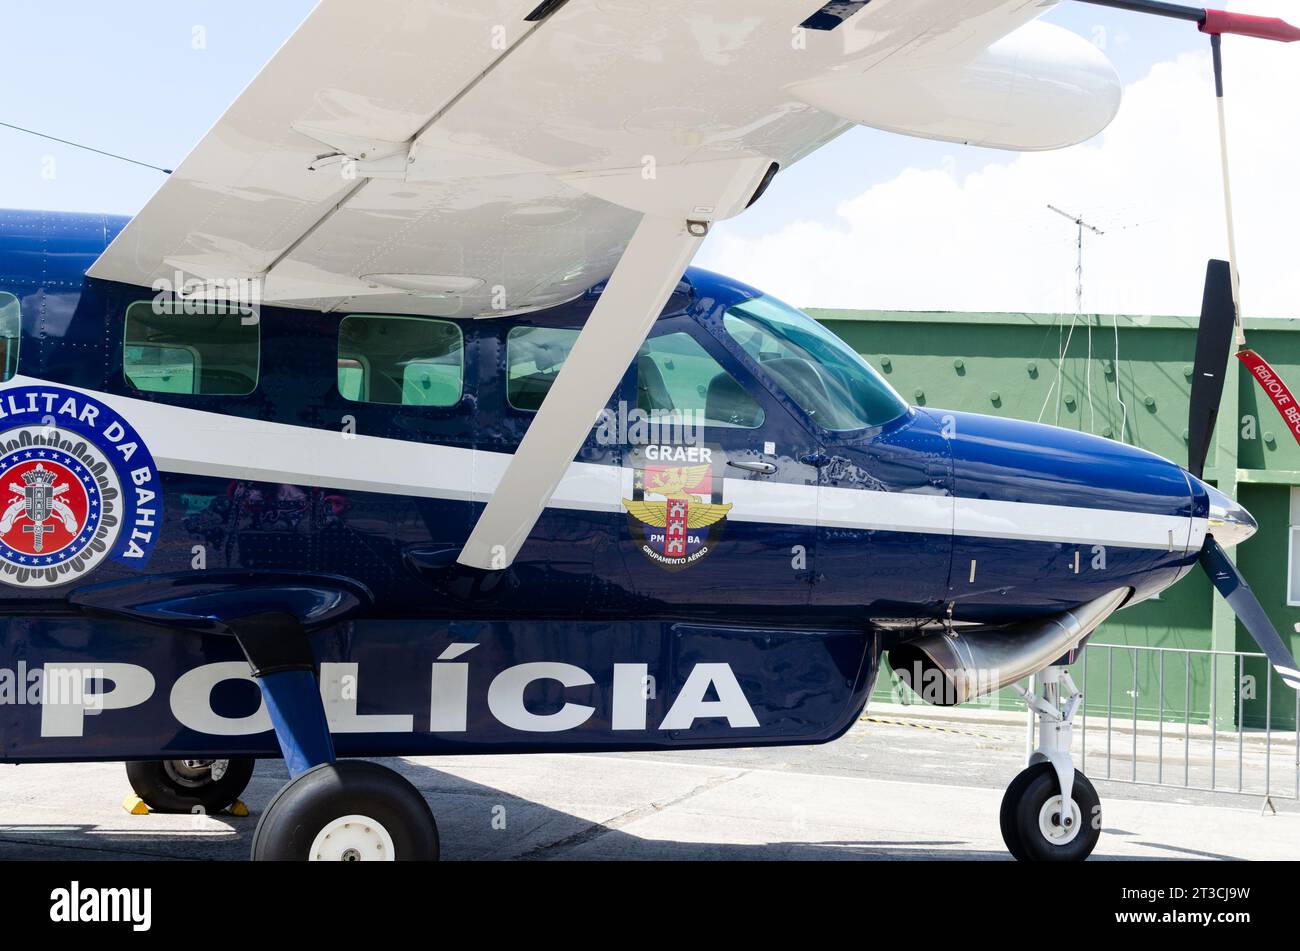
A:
(485, 157)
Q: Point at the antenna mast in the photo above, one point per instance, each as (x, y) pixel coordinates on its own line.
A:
(1080, 224)
(1078, 271)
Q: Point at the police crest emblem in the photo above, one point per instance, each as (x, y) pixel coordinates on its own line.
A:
(77, 487)
(676, 512)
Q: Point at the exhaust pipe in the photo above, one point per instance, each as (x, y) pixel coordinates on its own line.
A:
(951, 668)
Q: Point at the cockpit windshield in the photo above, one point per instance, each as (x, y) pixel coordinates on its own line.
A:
(831, 383)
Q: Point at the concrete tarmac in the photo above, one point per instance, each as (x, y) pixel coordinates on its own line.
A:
(896, 787)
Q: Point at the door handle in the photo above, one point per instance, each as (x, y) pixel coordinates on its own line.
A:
(762, 468)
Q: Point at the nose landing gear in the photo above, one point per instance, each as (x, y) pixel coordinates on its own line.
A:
(1050, 812)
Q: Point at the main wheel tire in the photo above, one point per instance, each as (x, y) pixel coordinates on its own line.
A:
(349, 811)
(1044, 831)
(190, 785)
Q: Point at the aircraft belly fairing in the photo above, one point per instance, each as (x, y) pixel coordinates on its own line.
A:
(422, 687)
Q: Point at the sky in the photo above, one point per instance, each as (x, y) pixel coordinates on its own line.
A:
(872, 221)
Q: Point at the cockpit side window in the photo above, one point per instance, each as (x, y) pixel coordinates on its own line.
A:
(199, 354)
(11, 335)
(822, 374)
(675, 375)
(401, 361)
(534, 356)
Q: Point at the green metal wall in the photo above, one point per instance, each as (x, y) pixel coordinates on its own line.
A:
(1126, 377)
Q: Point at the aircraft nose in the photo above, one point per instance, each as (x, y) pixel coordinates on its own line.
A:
(1230, 523)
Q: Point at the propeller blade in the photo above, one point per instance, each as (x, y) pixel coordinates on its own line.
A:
(1243, 24)
(1213, 343)
(1213, 22)
(1225, 576)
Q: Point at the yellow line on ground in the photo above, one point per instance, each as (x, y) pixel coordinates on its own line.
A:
(927, 726)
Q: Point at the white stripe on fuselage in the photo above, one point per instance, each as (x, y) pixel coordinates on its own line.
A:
(194, 442)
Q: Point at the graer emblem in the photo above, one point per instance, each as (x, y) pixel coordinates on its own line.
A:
(683, 528)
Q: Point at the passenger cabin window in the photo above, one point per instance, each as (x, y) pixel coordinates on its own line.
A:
(675, 374)
(534, 356)
(401, 361)
(827, 378)
(11, 335)
(216, 354)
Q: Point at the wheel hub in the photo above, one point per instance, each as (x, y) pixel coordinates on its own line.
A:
(195, 773)
(1058, 825)
(353, 839)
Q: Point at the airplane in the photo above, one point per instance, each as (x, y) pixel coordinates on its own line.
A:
(391, 427)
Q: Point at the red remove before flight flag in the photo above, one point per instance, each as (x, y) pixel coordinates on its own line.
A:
(1277, 391)
(1218, 22)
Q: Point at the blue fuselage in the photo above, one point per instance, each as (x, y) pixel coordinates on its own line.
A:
(933, 514)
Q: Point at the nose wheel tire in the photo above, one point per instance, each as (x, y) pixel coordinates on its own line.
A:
(1038, 827)
(349, 811)
(190, 785)
(1010, 799)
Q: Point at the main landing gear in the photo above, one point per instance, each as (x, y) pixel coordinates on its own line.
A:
(330, 810)
(205, 786)
(1050, 812)
(349, 811)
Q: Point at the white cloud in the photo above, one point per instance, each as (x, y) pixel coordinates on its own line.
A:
(985, 241)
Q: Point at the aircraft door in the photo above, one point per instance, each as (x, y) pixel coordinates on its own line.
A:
(884, 503)
(720, 497)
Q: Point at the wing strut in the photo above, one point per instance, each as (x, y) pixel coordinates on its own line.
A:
(651, 267)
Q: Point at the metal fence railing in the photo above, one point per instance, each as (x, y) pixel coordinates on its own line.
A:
(1206, 720)
(1192, 719)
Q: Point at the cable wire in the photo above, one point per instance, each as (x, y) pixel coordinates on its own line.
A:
(87, 148)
